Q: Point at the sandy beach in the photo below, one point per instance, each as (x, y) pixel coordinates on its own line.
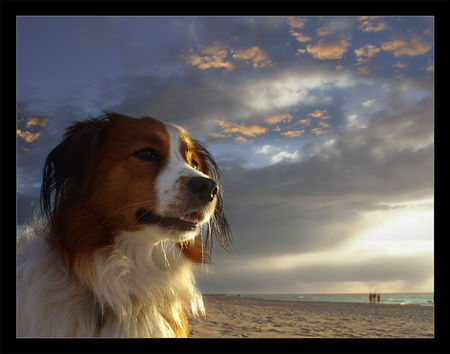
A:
(234, 316)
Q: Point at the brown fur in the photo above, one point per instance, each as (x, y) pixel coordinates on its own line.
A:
(113, 185)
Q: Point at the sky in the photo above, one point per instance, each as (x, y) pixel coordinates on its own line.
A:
(323, 128)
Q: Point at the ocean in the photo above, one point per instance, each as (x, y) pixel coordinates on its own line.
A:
(423, 299)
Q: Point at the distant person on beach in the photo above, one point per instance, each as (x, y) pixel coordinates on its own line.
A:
(370, 297)
(378, 298)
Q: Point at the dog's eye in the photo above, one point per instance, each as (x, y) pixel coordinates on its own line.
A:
(194, 164)
(148, 154)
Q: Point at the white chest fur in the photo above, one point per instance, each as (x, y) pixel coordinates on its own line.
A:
(139, 285)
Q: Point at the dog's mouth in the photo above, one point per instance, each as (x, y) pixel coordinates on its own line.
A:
(185, 222)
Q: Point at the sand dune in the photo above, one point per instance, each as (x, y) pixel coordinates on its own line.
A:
(233, 316)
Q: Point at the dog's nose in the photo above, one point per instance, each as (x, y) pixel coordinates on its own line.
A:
(205, 188)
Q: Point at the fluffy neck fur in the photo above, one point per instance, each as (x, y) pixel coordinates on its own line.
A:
(139, 288)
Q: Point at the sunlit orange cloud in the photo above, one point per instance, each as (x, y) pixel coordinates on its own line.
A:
(254, 55)
(324, 125)
(430, 67)
(220, 135)
(41, 121)
(246, 129)
(364, 54)
(317, 131)
(371, 24)
(320, 113)
(362, 61)
(28, 136)
(300, 36)
(322, 31)
(415, 46)
(367, 50)
(328, 50)
(213, 56)
(294, 133)
(306, 121)
(279, 118)
(241, 139)
(296, 22)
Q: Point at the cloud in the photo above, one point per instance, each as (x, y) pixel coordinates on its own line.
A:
(328, 26)
(267, 149)
(317, 131)
(278, 118)
(322, 31)
(294, 85)
(212, 56)
(372, 24)
(369, 103)
(285, 156)
(315, 202)
(241, 139)
(364, 69)
(296, 22)
(278, 154)
(246, 129)
(28, 136)
(400, 65)
(220, 135)
(294, 133)
(324, 125)
(40, 121)
(328, 50)
(411, 47)
(367, 50)
(400, 273)
(215, 55)
(320, 113)
(364, 54)
(300, 36)
(29, 127)
(254, 55)
(306, 121)
(202, 96)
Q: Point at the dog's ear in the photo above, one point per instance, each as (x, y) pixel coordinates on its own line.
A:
(217, 226)
(66, 166)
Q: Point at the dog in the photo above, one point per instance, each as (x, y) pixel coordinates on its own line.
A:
(129, 205)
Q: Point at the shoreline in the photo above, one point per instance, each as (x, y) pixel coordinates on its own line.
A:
(239, 316)
(249, 296)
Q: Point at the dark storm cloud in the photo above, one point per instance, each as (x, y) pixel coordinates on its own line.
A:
(272, 230)
(316, 203)
(190, 100)
(197, 98)
(409, 269)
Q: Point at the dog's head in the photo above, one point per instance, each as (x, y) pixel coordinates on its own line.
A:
(118, 173)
